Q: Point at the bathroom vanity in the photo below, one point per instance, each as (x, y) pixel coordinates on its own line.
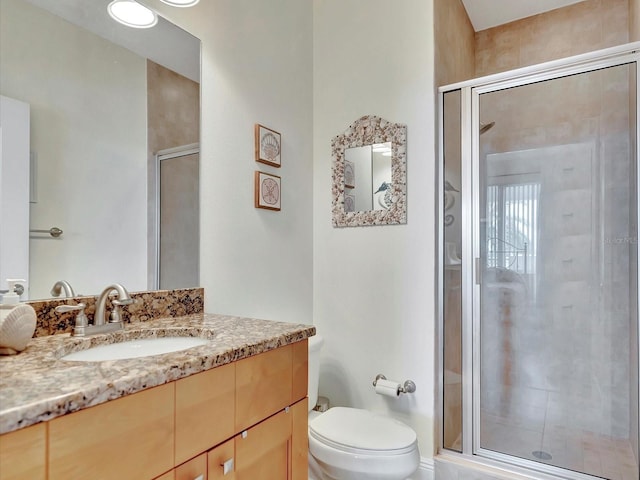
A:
(235, 408)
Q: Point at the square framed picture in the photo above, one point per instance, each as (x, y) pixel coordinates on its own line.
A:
(268, 146)
(267, 191)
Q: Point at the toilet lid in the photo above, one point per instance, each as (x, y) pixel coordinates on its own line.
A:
(353, 428)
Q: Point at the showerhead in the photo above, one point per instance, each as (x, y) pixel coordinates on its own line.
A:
(485, 127)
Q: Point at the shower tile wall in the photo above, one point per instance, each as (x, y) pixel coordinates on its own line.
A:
(634, 24)
(455, 38)
(552, 35)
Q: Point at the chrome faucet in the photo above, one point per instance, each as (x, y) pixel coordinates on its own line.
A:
(60, 286)
(101, 304)
(100, 325)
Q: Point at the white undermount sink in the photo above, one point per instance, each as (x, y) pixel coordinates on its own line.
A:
(143, 347)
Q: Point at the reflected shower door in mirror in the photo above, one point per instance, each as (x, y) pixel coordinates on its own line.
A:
(178, 216)
(99, 98)
(371, 166)
(369, 174)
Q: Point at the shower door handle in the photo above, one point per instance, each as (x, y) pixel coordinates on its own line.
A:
(478, 273)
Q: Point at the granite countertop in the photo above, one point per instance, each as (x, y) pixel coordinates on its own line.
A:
(36, 386)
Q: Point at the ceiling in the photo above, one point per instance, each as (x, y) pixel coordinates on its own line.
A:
(491, 13)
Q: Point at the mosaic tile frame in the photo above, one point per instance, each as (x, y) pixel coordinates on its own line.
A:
(368, 130)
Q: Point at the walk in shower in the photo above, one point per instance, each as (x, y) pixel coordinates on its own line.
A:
(539, 268)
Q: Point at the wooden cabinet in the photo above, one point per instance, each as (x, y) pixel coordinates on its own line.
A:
(243, 421)
(221, 462)
(300, 440)
(263, 386)
(131, 437)
(167, 476)
(194, 469)
(300, 367)
(262, 452)
(22, 454)
(204, 411)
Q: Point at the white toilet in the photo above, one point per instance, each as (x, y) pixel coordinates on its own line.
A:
(355, 444)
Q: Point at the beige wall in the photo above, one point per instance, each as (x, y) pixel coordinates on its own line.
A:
(173, 108)
(373, 286)
(634, 22)
(454, 41)
(579, 28)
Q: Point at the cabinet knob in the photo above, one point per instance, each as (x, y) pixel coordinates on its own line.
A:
(227, 466)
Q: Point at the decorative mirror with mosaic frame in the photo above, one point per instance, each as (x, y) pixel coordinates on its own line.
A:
(378, 196)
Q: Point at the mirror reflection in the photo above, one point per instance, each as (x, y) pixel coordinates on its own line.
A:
(103, 100)
(367, 178)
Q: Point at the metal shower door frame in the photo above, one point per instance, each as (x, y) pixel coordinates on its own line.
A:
(167, 154)
(470, 219)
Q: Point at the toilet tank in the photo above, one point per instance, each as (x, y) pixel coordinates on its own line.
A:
(315, 344)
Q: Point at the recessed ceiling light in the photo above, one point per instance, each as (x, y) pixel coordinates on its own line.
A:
(180, 3)
(132, 14)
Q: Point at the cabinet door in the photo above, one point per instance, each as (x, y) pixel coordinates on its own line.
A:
(195, 469)
(22, 453)
(262, 452)
(204, 411)
(221, 462)
(131, 437)
(263, 386)
(300, 440)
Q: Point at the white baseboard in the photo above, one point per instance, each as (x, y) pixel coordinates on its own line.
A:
(425, 470)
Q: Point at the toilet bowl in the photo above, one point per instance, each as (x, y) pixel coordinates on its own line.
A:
(355, 444)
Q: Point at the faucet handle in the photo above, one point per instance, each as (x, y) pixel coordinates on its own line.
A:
(115, 316)
(121, 303)
(81, 317)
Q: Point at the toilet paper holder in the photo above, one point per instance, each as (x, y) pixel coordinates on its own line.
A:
(407, 387)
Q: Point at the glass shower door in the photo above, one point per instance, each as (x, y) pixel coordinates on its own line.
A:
(178, 242)
(556, 336)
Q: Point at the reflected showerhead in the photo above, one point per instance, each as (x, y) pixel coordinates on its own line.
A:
(485, 127)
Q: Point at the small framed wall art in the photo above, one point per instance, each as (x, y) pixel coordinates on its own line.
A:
(267, 191)
(268, 146)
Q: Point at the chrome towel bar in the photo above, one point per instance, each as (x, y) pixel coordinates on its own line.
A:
(55, 232)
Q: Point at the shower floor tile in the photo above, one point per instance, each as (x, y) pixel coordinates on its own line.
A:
(582, 451)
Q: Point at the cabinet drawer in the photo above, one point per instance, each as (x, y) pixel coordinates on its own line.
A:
(22, 453)
(204, 411)
(131, 437)
(263, 386)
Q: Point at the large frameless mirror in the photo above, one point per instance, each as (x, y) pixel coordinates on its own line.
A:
(104, 99)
